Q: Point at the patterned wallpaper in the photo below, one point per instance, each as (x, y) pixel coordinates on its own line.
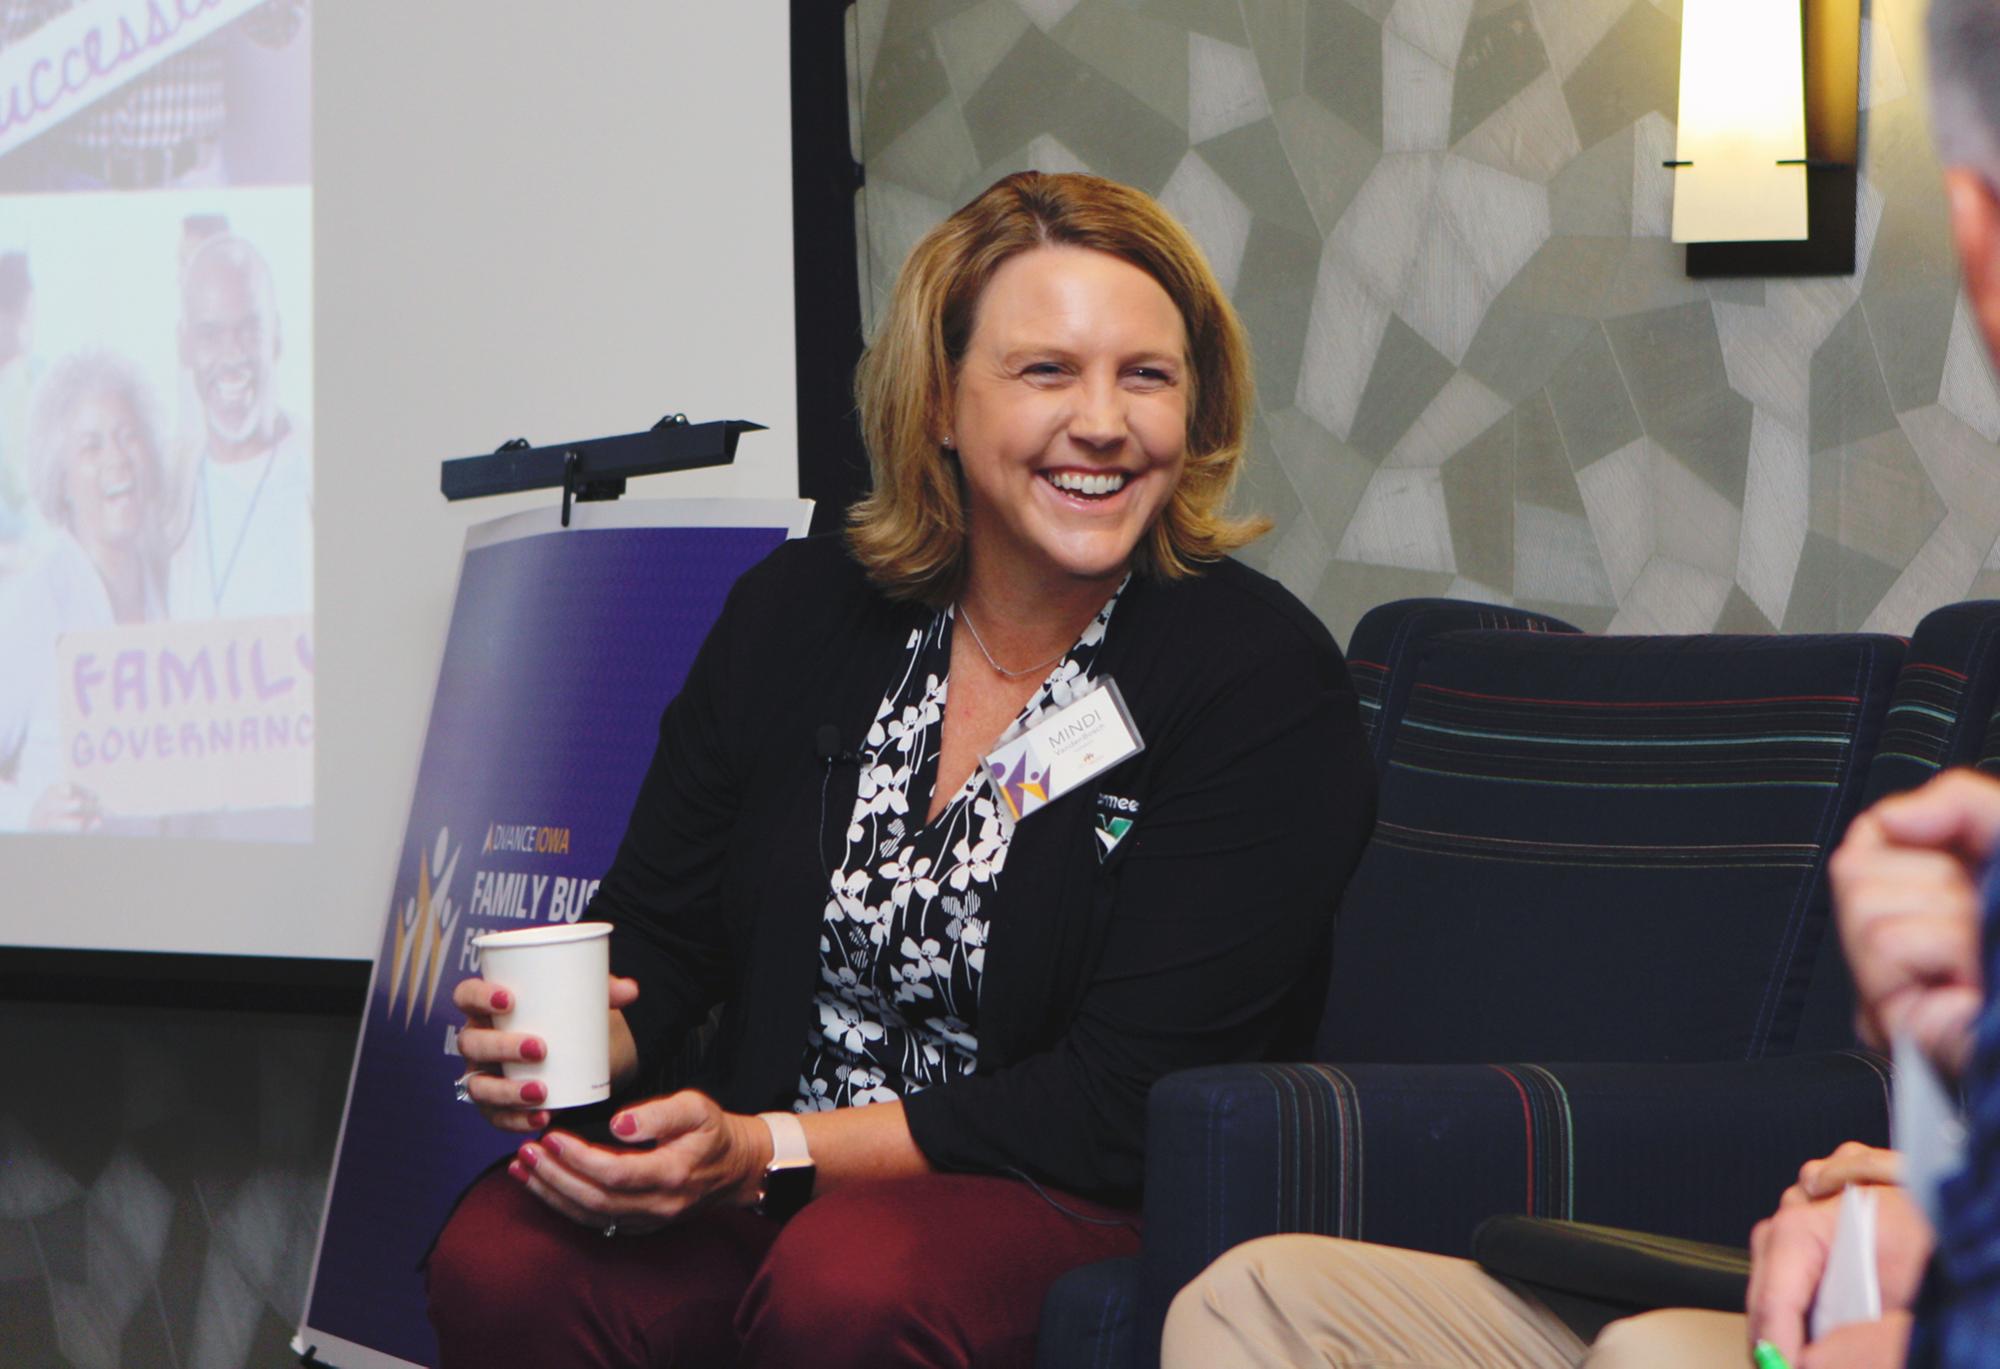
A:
(1482, 369)
(161, 1178)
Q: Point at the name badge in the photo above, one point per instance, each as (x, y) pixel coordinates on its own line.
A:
(1066, 747)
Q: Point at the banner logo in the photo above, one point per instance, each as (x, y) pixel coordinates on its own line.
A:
(525, 839)
(422, 928)
(1023, 781)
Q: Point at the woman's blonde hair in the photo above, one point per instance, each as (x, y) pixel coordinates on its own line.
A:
(909, 532)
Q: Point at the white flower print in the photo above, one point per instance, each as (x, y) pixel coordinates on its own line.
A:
(927, 958)
(908, 914)
(843, 1023)
(910, 984)
(887, 846)
(954, 1031)
(909, 876)
(1094, 634)
(865, 1085)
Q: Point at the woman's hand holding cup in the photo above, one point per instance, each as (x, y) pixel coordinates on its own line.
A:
(514, 1104)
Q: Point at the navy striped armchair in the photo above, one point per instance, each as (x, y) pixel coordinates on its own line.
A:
(1585, 968)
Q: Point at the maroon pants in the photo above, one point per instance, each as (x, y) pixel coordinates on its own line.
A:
(940, 1269)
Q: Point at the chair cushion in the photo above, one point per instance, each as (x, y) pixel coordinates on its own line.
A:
(1603, 848)
(1090, 1319)
(1419, 1155)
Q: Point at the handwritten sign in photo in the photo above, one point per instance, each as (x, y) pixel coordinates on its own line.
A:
(83, 55)
(203, 717)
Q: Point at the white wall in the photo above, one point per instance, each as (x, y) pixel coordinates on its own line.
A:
(533, 218)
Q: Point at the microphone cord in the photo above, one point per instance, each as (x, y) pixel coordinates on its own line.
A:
(1066, 1211)
(819, 833)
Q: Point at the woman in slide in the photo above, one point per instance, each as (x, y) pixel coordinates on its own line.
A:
(887, 1014)
(97, 477)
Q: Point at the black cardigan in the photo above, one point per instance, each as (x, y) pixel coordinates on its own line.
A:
(1186, 946)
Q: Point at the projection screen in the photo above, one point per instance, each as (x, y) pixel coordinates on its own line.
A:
(224, 565)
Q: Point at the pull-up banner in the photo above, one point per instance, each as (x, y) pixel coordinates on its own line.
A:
(565, 645)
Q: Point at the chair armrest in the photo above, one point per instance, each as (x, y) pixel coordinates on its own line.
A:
(1613, 1267)
(1090, 1318)
(1419, 1155)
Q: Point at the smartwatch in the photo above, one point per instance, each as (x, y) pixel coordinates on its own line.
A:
(788, 1179)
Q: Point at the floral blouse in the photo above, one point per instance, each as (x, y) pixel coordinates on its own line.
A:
(903, 938)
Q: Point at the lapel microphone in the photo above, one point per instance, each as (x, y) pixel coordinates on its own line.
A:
(828, 750)
(827, 747)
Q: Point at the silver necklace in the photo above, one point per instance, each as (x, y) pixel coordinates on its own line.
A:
(217, 587)
(999, 669)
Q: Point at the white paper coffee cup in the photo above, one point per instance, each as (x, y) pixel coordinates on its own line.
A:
(560, 980)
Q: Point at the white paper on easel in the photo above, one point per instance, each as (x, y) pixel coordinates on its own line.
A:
(1924, 1126)
(1849, 1290)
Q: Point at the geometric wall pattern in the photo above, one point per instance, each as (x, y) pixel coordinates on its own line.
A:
(160, 1198)
(1482, 369)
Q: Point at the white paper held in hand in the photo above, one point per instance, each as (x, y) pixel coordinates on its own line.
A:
(560, 979)
(1924, 1126)
(1849, 1290)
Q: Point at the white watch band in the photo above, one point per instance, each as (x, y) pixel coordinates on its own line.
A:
(788, 1138)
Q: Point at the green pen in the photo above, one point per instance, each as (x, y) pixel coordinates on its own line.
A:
(1767, 1356)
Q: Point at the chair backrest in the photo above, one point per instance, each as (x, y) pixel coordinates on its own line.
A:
(1623, 832)
(1942, 712)
(1382, 645)
(1940, 715)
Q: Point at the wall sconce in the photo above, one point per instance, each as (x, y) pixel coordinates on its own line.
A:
(1769, 126)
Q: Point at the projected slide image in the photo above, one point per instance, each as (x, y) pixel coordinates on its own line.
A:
(156, 456)
(149, 94)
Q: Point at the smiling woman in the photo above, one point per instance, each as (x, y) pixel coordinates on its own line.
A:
(954, 899)
(97, 474)
(910, 531)
(98, 479)
(1069, 417)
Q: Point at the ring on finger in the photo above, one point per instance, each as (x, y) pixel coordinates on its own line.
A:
(461, 1087)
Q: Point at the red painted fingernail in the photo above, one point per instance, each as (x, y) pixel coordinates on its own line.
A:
(528, 1156)
(552, 1145)
(624, 1125)
(533, 1049)
(502, 1000)
(532, 1092)
(540, 1119)
(517, 1170)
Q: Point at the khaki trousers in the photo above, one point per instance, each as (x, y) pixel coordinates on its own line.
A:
(1314, 1300)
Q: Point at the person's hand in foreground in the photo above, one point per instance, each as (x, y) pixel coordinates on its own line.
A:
(1851, 1163)
(699, 1155)
(1880, 1344)
(1788, 1253)
(516, 1105)
(1906, 889)
(65, 808)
